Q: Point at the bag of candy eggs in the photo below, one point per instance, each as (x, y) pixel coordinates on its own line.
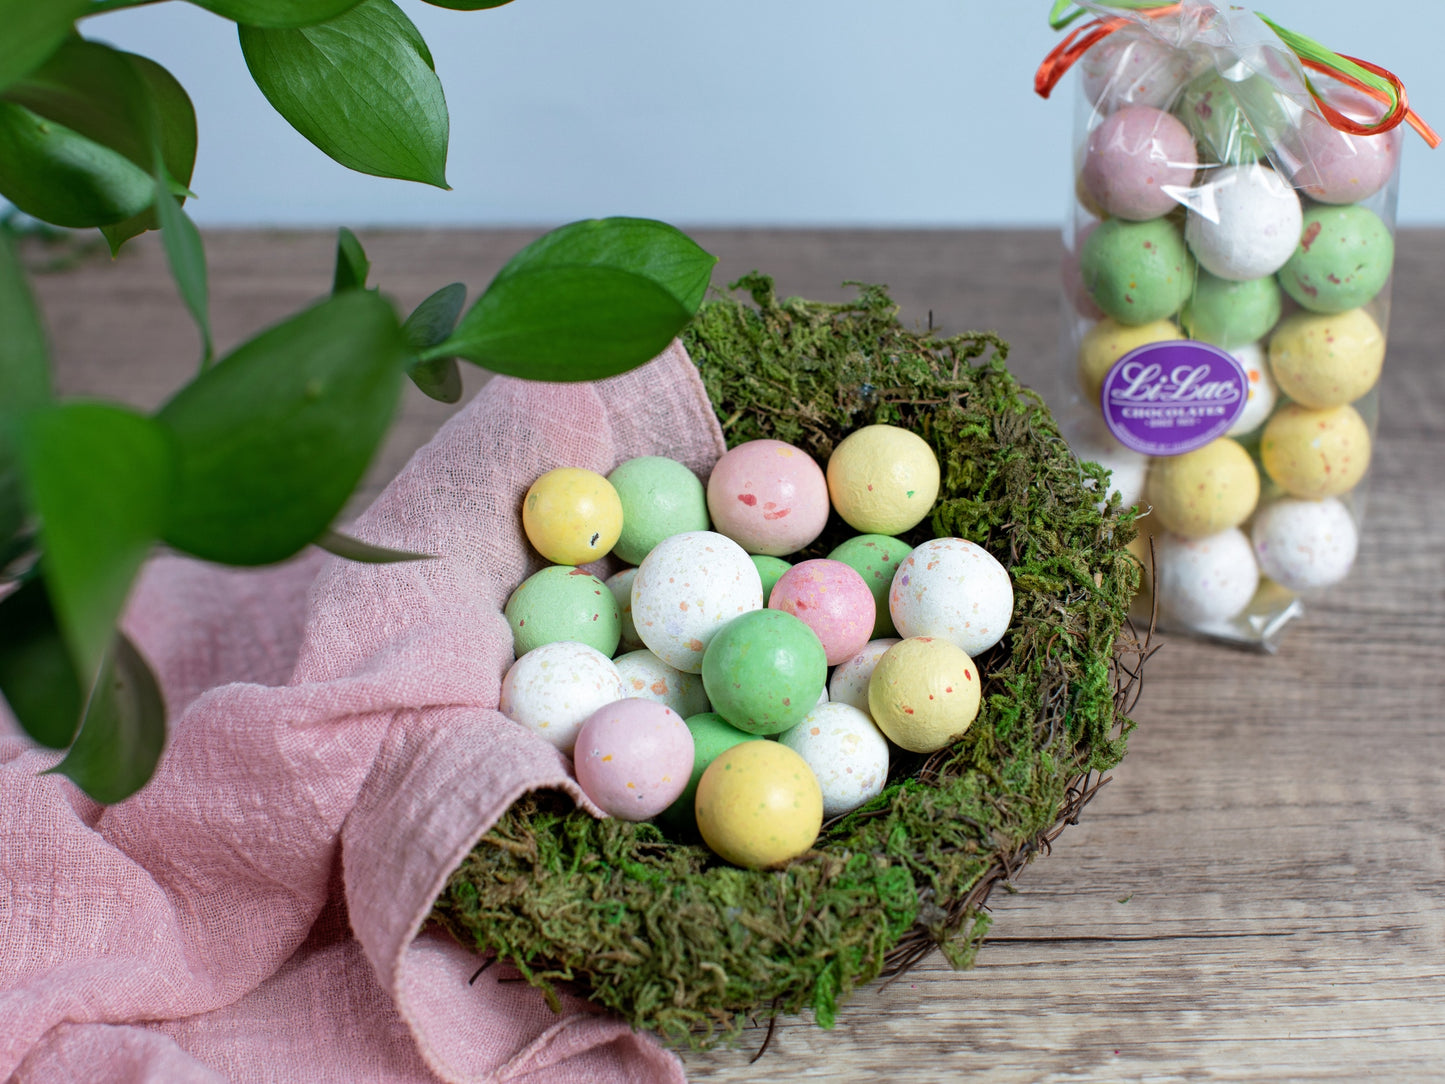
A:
(1226, 280)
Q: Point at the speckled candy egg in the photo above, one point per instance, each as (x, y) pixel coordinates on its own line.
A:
(1137, 272)
(1108, 341)
(1204, 491)
(1246, 223)
(572, 516)
(1210, 108)
(1338, 167)
(770, 571)
(633, 758)
(1305, 545)
(759, 805)
(1132, 67)
(1133, 156)
(1202, 581)
(553, 689)
(875, 557)
(849, 683)
(712, 735)
(1315, 453)
(660, 498)
(563, 603)
(1342, 261)
(647, 677)
(764, 671)
(831, 599)
(768, 496)
(924, 693)
(1262, 393)
(686, 589)
(1327, 359)
(952, 589)
(620, 584)
(1231, 314)
(883, 479)
(847, 752)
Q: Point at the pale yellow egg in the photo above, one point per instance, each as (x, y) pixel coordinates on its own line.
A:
(924, 693)
(758, 804)
(1323, 359)
(1108, 341)
(1204, 491)
(883, 479)
(572, 516)
(1315, 453)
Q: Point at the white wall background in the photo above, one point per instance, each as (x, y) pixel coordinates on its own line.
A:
(747, 112)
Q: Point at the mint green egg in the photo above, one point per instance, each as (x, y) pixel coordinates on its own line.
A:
(875, 557)
(1343, 260)
(1137, 272)
(770, 570)
(711, 735)
(764, 671)
(1218, 111)
(1231, 314)
(563, 603)
(660, 498)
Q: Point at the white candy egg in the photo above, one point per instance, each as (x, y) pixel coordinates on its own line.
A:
(955, 590)
(552, 689)
(646, 677)
(847, 752)
(686, 589)
(823, 696)
(1205, 580)
(1262, 390)
(1244, 223)
(849, 684)
(620, 584)
(1127, 469)
(1305, 545)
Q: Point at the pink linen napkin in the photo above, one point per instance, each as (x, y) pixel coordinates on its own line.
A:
(255, 913)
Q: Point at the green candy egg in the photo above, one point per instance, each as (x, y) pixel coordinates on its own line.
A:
(1218, 112)
(764, 671)
(563, 603)
(1137, 272)
(770, 571)
(660, 498)
(1344, 257)
(875, 557)
(711, 735)
(1231, 314)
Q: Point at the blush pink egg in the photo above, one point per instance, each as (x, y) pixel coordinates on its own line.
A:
(769, 497)
(1132, 155)
(633, 758)
(1337, 167)
(832, 600)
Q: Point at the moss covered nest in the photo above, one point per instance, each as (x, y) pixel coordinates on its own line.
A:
(662, 932)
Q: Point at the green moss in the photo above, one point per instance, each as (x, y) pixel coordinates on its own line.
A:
(671, 939)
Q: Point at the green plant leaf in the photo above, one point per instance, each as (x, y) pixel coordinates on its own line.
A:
(429, 324)
(37, 676)
(32, 32)
(361, 87)
(24, 359)
(354, 549)
(468, 5)
(99, 477)
(273, 438)
(352, 266)
(123, 733)
(187, 258)
(277, 13)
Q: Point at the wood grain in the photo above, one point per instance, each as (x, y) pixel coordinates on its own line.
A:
(1259, 894)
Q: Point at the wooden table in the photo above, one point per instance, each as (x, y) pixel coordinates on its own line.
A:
(1260, 892)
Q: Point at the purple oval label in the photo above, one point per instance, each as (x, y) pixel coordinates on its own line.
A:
(1172, 397)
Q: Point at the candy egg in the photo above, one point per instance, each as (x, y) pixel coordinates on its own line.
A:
(711, 735)
(770, 571)
(1137, 272)
(1228, 313)
(1262, 393)
(849, 683)
(1315, 453)
(1204, 491)
(1338, 167)
(686, 589)
(633, 758)
(572, 516)
(1245, 223)
(1127, 470)
(552, 689)
(1305, 545)
(763, 671)
(953, 589)
(831, 599)
(1202, 581)
(660, 498)
(647, 677)
(875, 557)
(620, 584)
(759, 805)
(1342, 260)
(1133, 157)
(847, 752)
(924, 693)
(1131, 67)
(883, 479)
(1327, 359)
(768, 496)
(1210, 106)
(1108, 341)
(563, 603)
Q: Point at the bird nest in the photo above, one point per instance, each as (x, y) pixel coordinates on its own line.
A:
(665, 934)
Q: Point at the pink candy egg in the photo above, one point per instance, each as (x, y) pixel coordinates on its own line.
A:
(768, 496)
(1132, 156)
(633, 758)
(831, 599)
(1337, 167)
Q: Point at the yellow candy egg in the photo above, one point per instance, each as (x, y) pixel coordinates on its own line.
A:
(1108, 341)
(924, 693)
(572, 516)
(758, 804)
(1204, 491)
(1315, 453)
(883, 479)
(1326, 359)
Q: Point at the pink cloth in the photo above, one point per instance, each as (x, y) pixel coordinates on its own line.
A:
(254, 914)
